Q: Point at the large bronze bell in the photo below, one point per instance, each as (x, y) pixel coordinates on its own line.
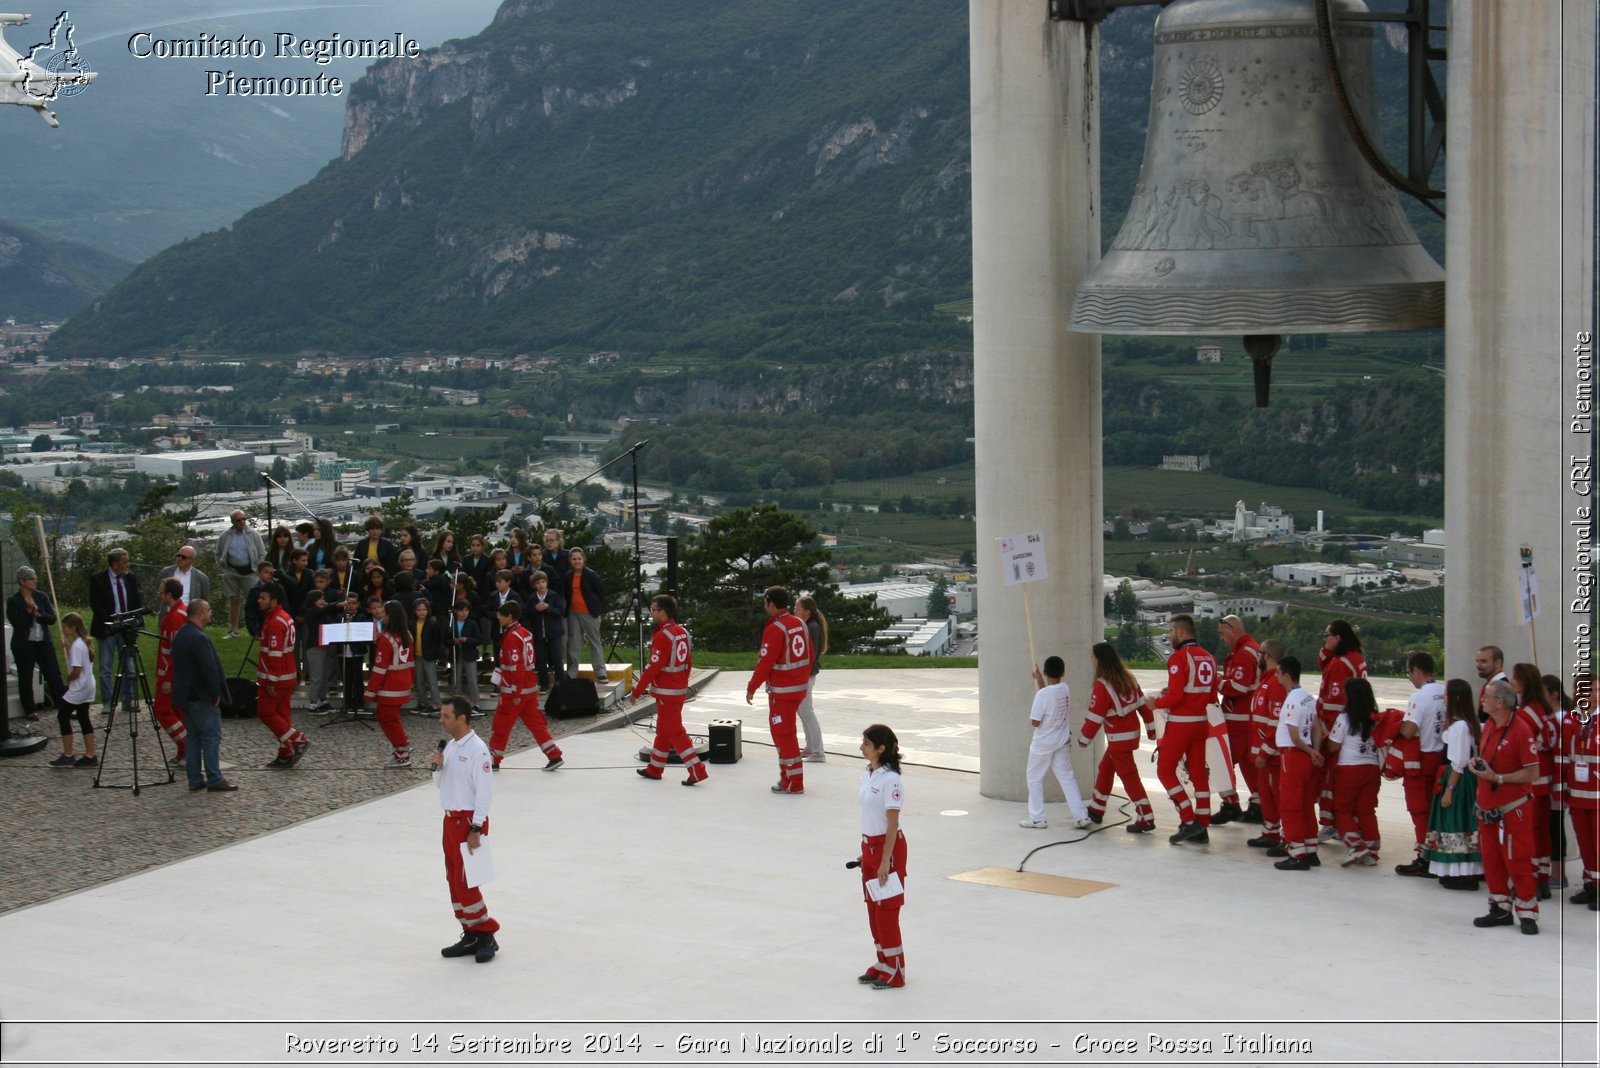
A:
(1254, 212)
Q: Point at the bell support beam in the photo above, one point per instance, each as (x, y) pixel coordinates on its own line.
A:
(1035, 236)
(1520, 298)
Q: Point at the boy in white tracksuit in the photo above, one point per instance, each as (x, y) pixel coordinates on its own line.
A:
(1051, 748)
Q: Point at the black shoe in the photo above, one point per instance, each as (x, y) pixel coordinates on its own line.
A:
(1544, 895)
(1140, 827)
(692, 781)
(1181, 834)
(644, 773)
(1312, 860)
(1530, 926)
(278, 762)
(1293, 864)
(553, 763)
(1097, 817)
(871, 975)
(487, 947)
(1459, 882)
(1252, 814)
(1586, 896)
(299, 752)
(1190, 832)
(1418, 869)
(1266, 841)
(464, 948)
(1496, 917)
(1228, 813)
(1277, 850)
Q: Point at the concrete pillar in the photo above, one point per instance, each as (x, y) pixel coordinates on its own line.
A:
(1519, 290)
(1035, 235)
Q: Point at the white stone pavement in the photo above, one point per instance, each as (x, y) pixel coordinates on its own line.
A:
(644, 908)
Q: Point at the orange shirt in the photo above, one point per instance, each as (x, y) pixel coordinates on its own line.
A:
(576, 603)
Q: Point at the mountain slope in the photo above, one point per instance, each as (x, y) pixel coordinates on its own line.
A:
(42, 278)
(693, 173)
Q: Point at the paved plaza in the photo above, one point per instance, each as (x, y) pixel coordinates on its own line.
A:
(719, 924)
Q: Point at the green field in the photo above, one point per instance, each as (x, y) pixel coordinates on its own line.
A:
(1157, 492)
(1425, 602)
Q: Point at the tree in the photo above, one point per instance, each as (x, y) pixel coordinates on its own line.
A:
(939, 599)
(1133, 645)
(42, 443)
(740, 554)
(1124, 603)
(396, 512)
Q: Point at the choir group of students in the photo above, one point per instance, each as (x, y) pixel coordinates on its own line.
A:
(1490, 775)
(450, 595)
(433, 608)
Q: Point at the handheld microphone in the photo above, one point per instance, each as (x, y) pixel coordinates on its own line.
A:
(442, 743)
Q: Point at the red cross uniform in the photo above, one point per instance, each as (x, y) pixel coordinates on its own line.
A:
(784, 666)
(666, 678)
(1191, 688)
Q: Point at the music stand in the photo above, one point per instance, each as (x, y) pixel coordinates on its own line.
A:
(347, 635)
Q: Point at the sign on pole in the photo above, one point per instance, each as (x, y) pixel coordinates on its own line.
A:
(1022, 559)
(1528, 598)
(1528, 587)
(1022, 563)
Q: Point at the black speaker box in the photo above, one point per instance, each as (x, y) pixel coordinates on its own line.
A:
(726, 745)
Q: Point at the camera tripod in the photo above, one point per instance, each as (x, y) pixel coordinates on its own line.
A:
(130, 668)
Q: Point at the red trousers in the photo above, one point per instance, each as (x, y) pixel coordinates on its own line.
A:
(389, 722)
(1541, 836)
(1269, 780)
(172, 722)
(782, 712)
(1507, 849)
(1297, 799)
(1323, 794)
(1239, 736)
(883, 917)
(467, 901)
(1355, 805)
(1420, 787)
(272, 709)
(510, 707)
(1586, 829)
(1187, 742)
(671, 736)
(1120, 763)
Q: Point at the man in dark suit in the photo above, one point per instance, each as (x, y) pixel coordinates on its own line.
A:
(112, 592)
(198, 686)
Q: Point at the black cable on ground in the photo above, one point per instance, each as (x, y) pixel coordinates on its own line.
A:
(1089, 832)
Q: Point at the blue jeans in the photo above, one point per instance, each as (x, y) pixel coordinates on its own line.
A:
(204, 722)
(105, 653)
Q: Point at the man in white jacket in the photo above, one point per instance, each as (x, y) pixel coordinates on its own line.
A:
(1051, 748)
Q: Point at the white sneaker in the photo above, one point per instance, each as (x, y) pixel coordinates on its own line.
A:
(1355, 857)
(1328, 834)
(1081, 824)
(395, 762)
(1034, 825)
(815, 758)
(1368, 860)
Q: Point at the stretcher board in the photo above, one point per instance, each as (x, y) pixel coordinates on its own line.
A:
(1032, 882)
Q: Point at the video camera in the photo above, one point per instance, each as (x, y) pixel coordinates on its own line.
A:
(126, 624)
